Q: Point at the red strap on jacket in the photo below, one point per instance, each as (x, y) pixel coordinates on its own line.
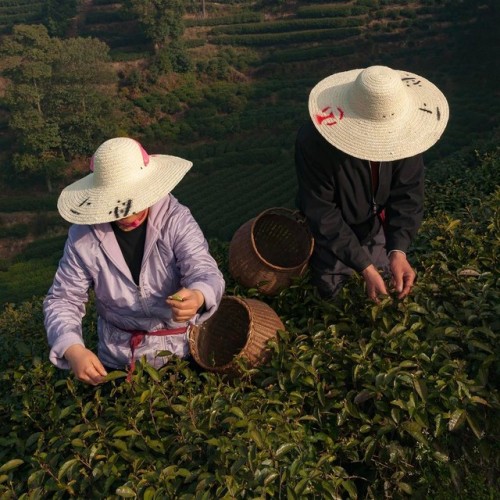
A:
(137, 336)
(375, 168)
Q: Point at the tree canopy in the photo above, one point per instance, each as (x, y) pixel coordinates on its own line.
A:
(60, 97)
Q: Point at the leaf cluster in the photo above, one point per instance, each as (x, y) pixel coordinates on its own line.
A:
(358, 400)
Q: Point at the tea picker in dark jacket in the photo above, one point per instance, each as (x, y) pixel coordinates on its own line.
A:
(361, 174)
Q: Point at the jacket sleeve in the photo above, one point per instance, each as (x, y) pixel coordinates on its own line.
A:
(198, 269)
(316, 192)
(404, 208)
(64, 305)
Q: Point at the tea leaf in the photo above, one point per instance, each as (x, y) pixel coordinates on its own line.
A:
(421, 388)
(284, 449)
(125, 492)
(11, 464)
(457, 420)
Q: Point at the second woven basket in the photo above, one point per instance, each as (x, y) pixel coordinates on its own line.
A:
(240, 328)
(268, 251)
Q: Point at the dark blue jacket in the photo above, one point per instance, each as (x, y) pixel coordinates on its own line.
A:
(335, 194)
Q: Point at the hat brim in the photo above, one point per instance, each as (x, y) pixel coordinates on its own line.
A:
(414, 130)
(84, 203)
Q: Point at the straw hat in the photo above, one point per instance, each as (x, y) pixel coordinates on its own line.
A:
(378, 113)
(124, 181)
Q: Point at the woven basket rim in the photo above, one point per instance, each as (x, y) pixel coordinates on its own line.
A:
(221, 368)
(230, 367)
(288, 211)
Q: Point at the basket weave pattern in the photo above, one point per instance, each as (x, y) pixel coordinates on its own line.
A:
(268, 251)
(241, 327)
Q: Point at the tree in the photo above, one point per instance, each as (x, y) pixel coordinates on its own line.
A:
(82, 93)
(57, 14)
(162, 22)
(30, 55)
(161, 19)
(60, 98)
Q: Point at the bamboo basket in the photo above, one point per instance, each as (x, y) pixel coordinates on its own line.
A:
(240, 328)
(269, 250)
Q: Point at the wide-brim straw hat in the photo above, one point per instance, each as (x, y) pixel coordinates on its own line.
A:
(124, 180)
(378, 113)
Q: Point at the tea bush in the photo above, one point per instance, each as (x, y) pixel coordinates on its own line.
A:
(284, 26)
(28, 203)
(244, 17)
(287, 37)
(359, 400)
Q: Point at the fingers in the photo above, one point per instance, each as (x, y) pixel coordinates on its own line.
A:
(185, 304)
(99, 368)
(403, 280)
(397, 282)
(375, 285)
(86, 366)
(375, 292)
(403, 275)
(407, 284)
(91, 376)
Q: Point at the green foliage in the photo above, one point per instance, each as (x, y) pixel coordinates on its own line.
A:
(24, 324)
(244, 17)
(19, 12)
(463, 178)
(28, 203)
(359, 399)
(32, 271)
(58, 109)
(287, 37)
(57, 14)
(23, 280)
(173, 58)
(331, 11)
(285, 26)
(106, 17)
(162, 20)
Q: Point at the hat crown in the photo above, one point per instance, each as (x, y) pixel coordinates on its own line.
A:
(378, 94)
(118, 160)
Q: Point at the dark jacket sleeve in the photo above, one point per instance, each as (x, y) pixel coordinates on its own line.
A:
(404, 208)
(316, 195)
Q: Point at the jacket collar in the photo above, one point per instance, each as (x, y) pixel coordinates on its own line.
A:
(104, 233)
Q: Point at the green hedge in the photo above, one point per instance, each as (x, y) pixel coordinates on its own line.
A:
(105, 17)
(312, 53)
(244, 17)
(287, 38)
(286, 26)
(21, 18)
(15, 3)
(35, 8)
(332, 11)
(358, 400)
(15, 231)
(29, 203)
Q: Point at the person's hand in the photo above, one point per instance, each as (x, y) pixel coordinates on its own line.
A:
(185, 304)
(403, 275)
(375, 286)
(85, 364)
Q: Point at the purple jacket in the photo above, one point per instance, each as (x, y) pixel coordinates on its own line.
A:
(175, 255)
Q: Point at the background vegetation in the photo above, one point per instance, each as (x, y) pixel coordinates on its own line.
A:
(359, 400)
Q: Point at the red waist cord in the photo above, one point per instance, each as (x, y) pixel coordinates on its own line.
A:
(137, 336)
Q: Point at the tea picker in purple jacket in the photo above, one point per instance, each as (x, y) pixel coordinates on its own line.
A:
(143, 254)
